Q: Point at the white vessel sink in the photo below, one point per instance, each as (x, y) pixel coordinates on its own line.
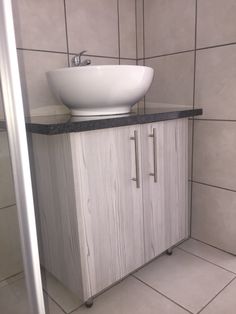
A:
(100, 90)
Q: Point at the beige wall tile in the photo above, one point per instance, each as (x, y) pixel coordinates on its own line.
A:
(169, 26)
(215, 153)
(7, 193)
(127, 28)
(216, 81)
(10, 252)
(40, 24)
(140, 30)
(214, 216)
(103, 61)
(93, 26)
(173, 79)
(216, 22)
(127, 61)
(37, 96)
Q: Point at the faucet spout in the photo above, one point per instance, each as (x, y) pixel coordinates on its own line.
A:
(77, 62)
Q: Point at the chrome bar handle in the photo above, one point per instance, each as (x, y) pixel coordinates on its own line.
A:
(154, 136)
(137, 170)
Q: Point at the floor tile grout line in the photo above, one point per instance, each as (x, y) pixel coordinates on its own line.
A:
(206, 260)
(157, 291)
(219, 249)
(213, 186)
(73, 311)
(8, 206)
(48, 295)
(216, 295)
(12, 276)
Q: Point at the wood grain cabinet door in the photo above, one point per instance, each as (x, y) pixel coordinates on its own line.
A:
(165, 184)
(109, 204)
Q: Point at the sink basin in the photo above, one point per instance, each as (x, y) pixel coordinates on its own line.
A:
(100, 90)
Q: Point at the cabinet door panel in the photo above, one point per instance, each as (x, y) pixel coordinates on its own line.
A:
(109, 205)
(165, 201)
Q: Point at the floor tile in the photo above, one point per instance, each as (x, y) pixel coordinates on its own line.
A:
(132, 297)
(61, 295)
(224, 303)
(186, 279)
(13, 299)
(213, 255)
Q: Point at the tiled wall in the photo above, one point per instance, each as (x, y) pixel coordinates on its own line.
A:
(191, 44)
(169, 40)
(49, 33)
(10, 253)
(214, 162)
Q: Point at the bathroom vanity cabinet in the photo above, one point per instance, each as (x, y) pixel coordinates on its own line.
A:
(110, 200)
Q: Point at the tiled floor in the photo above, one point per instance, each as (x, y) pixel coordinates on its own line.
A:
(197, 278)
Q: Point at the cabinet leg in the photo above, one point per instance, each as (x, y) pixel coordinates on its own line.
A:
(169, 251)
(89, 303)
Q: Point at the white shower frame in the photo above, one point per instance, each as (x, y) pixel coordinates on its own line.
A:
(15, 121)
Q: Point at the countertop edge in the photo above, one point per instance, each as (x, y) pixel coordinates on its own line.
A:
(105, 123)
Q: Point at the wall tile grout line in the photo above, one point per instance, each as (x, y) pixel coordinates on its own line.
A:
(66, 30)
(41, 50)
(166, 54)
(193, 121)
(118, 20)
(185, 51)
(215, 120)
(206, 260)
(213, 247)
(144, 40)
(136, 31)
(216, 296)
(73, 53)
(214, 186)
(138, 59)
(166, 297)
(216, 46)
(144, 44)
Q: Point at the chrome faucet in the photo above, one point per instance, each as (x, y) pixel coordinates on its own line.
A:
(77, 62)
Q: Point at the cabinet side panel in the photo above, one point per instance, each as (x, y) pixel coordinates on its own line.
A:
(110, 214)
(58, 228)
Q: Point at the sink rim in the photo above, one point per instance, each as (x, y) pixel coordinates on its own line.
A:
(98, 67)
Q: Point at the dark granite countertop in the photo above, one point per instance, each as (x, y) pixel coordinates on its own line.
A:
(59, 124)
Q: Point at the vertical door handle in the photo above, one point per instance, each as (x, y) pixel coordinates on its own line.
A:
(137, 169)
(154, 136)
